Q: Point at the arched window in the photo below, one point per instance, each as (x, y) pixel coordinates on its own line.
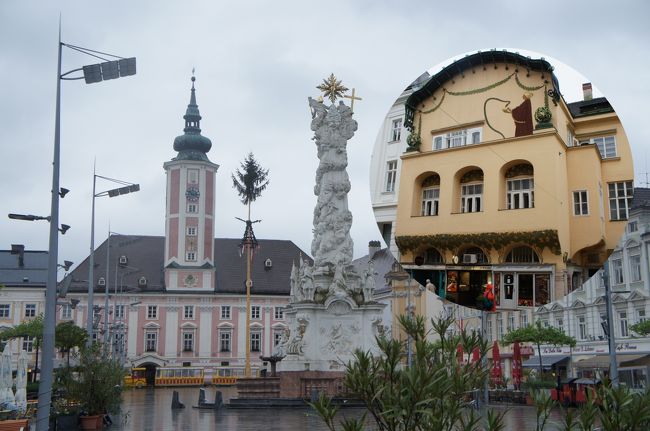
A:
(432, 256)
(522, 254)
(520, 187)
(430, 195)
(471, 191)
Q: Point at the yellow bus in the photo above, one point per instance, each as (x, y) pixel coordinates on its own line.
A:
(227, 375)
(179, 376)
(136, 378)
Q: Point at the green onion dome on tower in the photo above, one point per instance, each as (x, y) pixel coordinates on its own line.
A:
(192, 145)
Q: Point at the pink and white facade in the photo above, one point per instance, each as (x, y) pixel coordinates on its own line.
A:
(180, 299)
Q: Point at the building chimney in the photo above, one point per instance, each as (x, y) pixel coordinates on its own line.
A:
(586, 91)
(19, 249)
(373, 247)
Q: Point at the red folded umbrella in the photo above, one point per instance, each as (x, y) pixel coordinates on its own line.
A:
(497, 373)
(459, 354)
(516, 365)
(476, 355)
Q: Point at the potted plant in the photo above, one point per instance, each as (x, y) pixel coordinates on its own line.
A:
(65, 413)
(97, 386)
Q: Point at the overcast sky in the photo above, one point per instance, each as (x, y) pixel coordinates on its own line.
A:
(256, 63)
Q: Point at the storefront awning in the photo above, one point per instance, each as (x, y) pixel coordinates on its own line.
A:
(602, 361)
(547, 361)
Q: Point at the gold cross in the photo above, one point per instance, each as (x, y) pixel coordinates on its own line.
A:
(352, 99)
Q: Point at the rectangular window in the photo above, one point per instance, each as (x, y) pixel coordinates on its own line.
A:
(622, 318)
(255, 312)
(28, 344)
(520, 193)
(437, 143)
(640, 315)
(278, 313)
(190, 256)
(151, 341)
(256, 341)
(224, 341)
(66, 311)
(632, 226)
(582, 328)
(488, 329)
(620, 199)
(606, 145)
(470, 198)
(523, 319)
(559, 324)
(396, 131)
(430, 201)
(457, 138)
(511, 321)
(635, 267)
(277, 337)
(617, 271)
(188, 312)
(580, 203)
(188, 341)
(391, 176)
(30, 310)
(192, 208)
(152, 311)
(225, 312)
(500, 326)
(5, 311)
(119, 311)
(191, 231)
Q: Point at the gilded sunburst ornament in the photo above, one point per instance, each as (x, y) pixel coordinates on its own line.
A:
(332, 88)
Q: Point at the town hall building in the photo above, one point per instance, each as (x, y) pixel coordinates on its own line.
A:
(180, 300)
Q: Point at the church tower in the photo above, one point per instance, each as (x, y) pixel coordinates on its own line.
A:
(189, 212)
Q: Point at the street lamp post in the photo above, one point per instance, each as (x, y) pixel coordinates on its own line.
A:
(613, 366)
(125, 189)
(93, 73)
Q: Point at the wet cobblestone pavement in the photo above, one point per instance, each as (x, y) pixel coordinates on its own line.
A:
(150, 410)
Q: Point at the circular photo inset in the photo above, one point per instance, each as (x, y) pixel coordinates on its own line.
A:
(499, 185)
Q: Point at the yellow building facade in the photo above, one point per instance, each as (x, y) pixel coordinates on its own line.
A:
(506, 182)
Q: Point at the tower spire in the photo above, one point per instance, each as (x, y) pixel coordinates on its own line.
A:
(192, 145)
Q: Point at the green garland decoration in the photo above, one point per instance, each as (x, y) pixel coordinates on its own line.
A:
(527, 88)
(497, 240)
(442, 98)
(483, 89)
(487, 88)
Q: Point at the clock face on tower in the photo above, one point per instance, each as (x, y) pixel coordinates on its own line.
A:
(192, 194)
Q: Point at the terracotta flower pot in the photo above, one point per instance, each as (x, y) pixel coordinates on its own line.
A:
(91, 422)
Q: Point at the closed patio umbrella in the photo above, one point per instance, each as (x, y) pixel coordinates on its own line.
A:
(516, 365)
(7, 379)
(497, 372)
(21, 381)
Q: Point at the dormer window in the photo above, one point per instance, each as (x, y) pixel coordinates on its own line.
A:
(101, 281)
(123, 260)
(142, 281)
(268, 264)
